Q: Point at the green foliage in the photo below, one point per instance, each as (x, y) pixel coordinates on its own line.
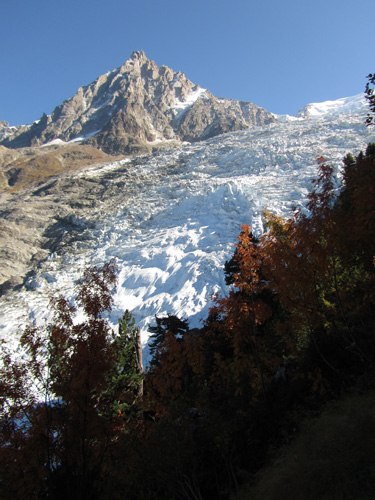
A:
(125, 384)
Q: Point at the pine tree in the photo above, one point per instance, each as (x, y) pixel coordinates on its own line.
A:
(166, 324)
(370, 96)
(125, 384)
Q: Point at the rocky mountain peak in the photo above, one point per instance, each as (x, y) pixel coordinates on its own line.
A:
(137, 108)
(138, 55)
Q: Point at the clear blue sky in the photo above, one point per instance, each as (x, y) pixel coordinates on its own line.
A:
(279, 54)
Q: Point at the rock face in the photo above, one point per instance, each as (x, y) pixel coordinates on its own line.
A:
(7, 131)
(135, 107)
(40, 188)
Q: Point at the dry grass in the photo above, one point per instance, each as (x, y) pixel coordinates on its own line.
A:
(333, 458)
(21, 167)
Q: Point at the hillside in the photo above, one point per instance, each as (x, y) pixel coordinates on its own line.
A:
(329, 457)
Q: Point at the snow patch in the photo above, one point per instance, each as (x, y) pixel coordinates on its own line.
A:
(54, 142)
(181, 106)
(60, 142)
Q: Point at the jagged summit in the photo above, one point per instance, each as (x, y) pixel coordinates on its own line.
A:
(138, 54)
(136, 107)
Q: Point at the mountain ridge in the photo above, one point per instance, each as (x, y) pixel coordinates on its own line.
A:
(134, 108)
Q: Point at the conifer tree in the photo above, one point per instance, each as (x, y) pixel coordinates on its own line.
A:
(166, 324)
(125, 384)
(370, 96)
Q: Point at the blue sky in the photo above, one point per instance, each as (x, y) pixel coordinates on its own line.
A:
(279, 54)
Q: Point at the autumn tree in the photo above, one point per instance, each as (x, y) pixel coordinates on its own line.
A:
(357, 204)
(177, 361)
(301, 300)
(242, 357)
(58, 424)
(318, 275)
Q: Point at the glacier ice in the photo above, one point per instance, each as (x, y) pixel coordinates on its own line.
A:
(172, 230)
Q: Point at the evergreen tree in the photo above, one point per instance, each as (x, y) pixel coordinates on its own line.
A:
(125, 385)
(370, 96)
(166, 324)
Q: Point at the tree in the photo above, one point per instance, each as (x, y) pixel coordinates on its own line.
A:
(358, 205)
(166, 324)
(237, 325)
(320, 263)
(125, 385)
(60, 396)
(370, 96)
(177, 361)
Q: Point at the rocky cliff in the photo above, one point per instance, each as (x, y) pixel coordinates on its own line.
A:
(135, 108)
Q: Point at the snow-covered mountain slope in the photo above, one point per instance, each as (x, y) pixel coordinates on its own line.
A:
(171, 219)
(345, 105)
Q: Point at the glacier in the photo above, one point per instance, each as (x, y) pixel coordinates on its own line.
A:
(176, 220)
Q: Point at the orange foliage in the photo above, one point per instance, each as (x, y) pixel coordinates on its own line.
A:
(178, 363)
